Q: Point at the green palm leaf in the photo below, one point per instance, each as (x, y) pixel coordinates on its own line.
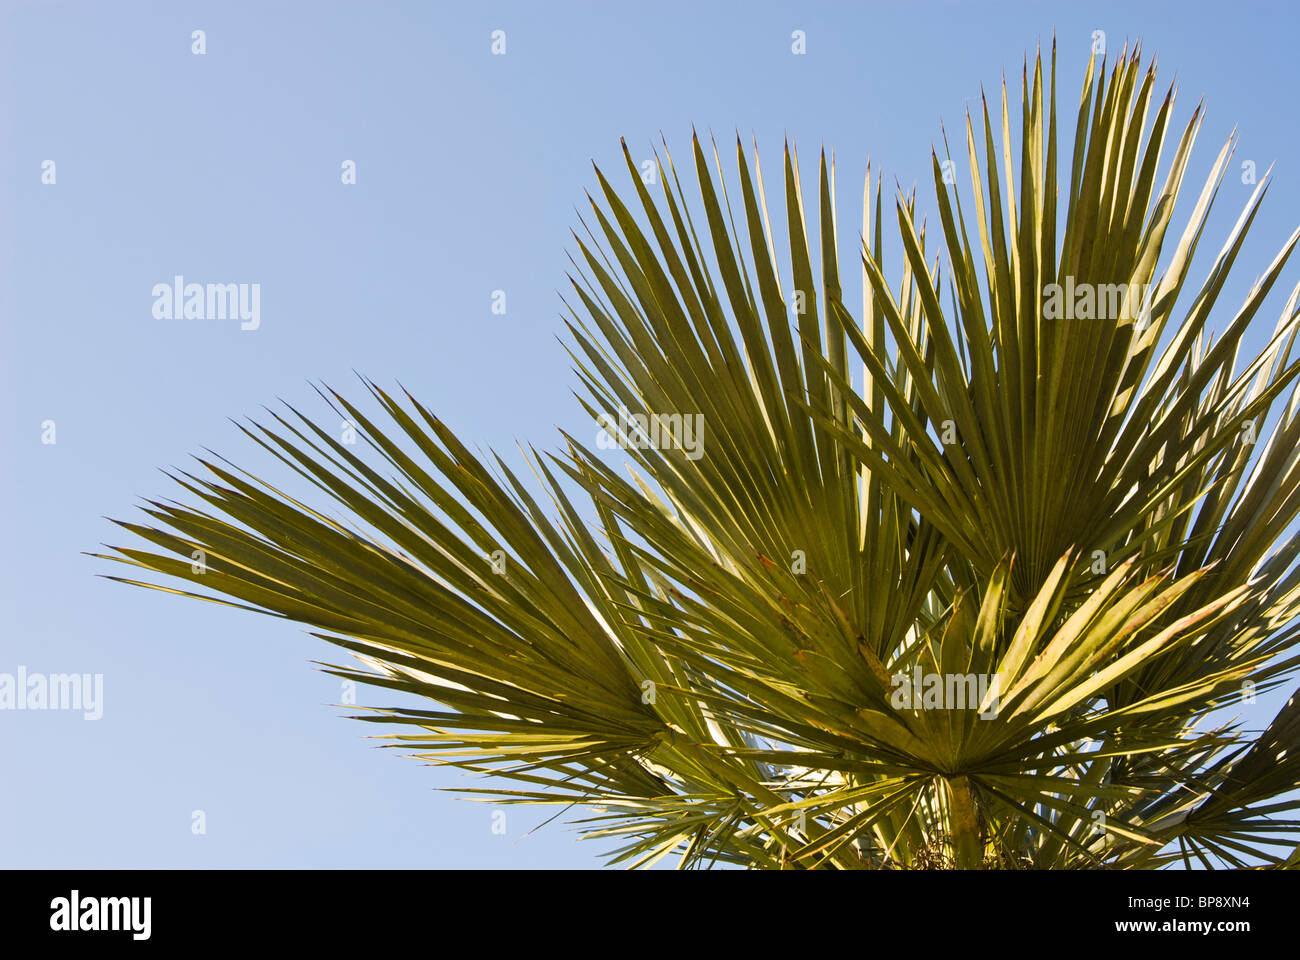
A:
(1081, 519)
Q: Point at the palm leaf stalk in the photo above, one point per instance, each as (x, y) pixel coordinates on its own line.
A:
(706, 655)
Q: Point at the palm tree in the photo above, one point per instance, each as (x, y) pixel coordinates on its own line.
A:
(1048, 488)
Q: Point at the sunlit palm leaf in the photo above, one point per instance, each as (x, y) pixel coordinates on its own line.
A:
(1092, 510)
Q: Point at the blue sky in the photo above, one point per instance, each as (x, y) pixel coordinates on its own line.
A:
(225, 167)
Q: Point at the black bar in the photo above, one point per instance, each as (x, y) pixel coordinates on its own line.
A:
(370, 908)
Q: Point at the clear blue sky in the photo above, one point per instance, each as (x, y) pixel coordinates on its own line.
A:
(225, 167)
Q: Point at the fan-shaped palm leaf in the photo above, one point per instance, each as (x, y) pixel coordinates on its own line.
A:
(1088, 510)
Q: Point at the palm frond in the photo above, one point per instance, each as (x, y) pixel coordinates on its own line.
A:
(1058, 489)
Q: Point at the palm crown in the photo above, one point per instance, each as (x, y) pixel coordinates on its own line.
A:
(982, 604)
